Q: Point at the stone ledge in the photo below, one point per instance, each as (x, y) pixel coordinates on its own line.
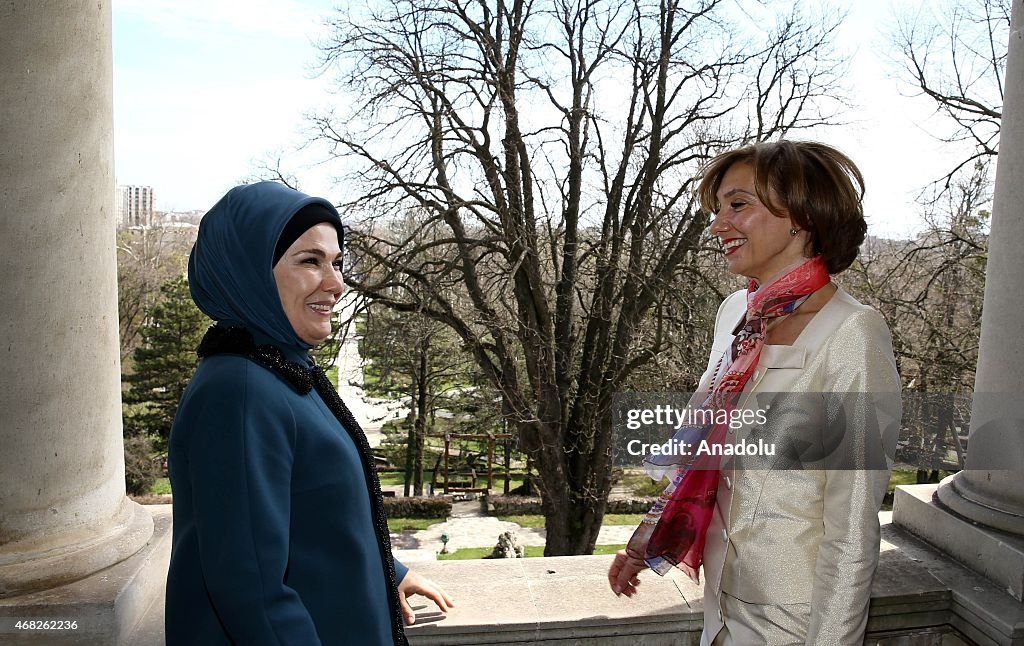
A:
(995, 554)
(519, 601)
(107, 605)
(919, 598)
(981, 609)
(516, 601)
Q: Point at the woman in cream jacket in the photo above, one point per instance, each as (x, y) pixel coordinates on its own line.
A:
(790, 540)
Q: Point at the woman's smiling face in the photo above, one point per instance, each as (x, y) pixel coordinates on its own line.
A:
(756, 243)
(309, 283)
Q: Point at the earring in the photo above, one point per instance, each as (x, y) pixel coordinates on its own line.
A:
(794, 231)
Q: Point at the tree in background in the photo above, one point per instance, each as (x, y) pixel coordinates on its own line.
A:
(146, 259)
(954, 52)
(931, 291)
(414, 356)
(550, 150)
(163, 361)
(325, 355)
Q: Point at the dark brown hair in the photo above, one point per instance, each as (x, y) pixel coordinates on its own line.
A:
(807, 181)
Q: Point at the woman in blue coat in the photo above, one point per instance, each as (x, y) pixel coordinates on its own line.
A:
(280, 535)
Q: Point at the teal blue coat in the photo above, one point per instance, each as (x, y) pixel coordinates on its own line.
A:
(274, 535)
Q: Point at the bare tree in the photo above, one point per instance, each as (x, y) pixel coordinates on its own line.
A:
(416, 356)
(553, 144)
(146, 259)
(955, 54)
(931, 291)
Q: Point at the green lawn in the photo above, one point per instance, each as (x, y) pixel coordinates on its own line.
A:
(161, 487)
(397, 478)
(908, 477)
(391, 478)
(640, 484)
(622, 519)
(532, 551)
(400, 524)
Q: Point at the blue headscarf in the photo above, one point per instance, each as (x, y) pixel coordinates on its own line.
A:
(230, 269)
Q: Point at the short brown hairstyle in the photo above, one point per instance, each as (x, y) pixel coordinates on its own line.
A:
(811, 183)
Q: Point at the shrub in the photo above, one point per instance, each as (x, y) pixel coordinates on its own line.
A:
(514, 505)
(140, 470)
(418, 507)
(529, 505)
(629, 505)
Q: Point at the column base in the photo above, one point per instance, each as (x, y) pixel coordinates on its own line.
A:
(113, 606)
(957, 493)
(997, 555)
(24, 570)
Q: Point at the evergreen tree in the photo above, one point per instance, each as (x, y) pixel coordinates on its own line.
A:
(164, 361)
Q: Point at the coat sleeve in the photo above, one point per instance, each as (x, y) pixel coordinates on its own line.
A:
(400, 571)
(240, 463)
(863, 411)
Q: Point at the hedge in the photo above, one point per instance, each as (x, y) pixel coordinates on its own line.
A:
(413, 507)
(418, 507)
(516, 505)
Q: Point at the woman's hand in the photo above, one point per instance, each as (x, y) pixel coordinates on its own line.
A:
(622, 575)
(416, 584)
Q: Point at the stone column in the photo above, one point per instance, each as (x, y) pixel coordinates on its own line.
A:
(976, 517)
(991, 489)
(63, 510)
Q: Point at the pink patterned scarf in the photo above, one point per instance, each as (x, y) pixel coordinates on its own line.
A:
(673, 531)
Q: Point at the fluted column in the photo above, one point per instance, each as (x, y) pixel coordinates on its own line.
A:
(63, 510)
(991, 488)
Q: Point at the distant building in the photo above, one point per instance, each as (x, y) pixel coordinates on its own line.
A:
(177, 218)
(133, 206)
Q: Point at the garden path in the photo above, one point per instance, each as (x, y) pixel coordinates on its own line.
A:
(370, 412)
(468, 526)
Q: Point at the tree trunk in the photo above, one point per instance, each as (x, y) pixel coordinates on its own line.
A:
(410, 459)
(573, 521)
(573, 502)
(410, 441)
(420, 428)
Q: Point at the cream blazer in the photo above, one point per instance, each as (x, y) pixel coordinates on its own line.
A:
(785, 532)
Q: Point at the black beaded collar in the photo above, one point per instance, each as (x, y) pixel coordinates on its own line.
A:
(238, 340)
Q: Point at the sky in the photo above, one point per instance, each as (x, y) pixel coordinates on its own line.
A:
(205, 91)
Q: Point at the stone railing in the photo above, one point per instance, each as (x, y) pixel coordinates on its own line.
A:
(566, 600)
